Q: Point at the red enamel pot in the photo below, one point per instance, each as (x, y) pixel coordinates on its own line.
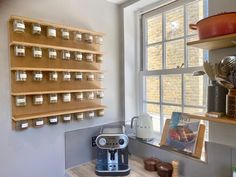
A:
(217, 25)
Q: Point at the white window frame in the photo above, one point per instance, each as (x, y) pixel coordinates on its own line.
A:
(181, 71)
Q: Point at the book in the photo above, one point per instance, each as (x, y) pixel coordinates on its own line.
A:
(182, 132)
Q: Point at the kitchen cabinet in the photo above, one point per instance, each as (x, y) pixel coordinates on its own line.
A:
(44, 61)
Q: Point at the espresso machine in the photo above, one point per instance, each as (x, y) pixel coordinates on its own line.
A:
(112, 151)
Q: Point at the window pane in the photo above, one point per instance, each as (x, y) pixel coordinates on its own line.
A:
(167, 111)
(152, 88)
(172, 89)
(174, 53)
(154, 61)
(154, 26)
(175, 23)
(154, 111)
(195, 55)
(193, 110)
(194, 90)
(194, 14)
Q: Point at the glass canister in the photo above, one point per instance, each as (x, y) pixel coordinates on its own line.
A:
(66, 76)
(90, 114)
(78, 36)
(38, 122)
(65, 55)
(38, 75)
(65, 34)
(37, 52)
(21, 100)
(36, 28)
(79, 116)
(38, 99)
(19, 50)
(89, 57)
(53, 120)
(78, 56)
(23, 124)
(88, 38)
(79, 96)
(98, 39)
(19, 26)
(90, 95)
(51, 32)
(78, 76)
(52, 53)
(90, 76)
(53, 76)
(53, 98)
(66, 97)
(21, 76)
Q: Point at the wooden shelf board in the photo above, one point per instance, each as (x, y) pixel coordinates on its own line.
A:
(215, 42)
(44, 23)
(56, 91)
(56, 69)
(27, 44)
(57, 113)
(224, 120)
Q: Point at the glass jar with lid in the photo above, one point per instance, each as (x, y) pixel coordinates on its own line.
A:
(19, 50)
(21, 75)
(19, 26)
(101, 112)
(89, 57)
(53, 98)
(38, 75)
(53, 76)
(78, 76)
(90, 76)
(21, 100)
(66, 97)
(66, 117)
(65, 55)
(65, 34)
(78, 36)
(38, 99)
(98, 39)
(79, 116)
(66, 76)
(37, 52)
(51, 32)
(79, 96)
(88, 38)
(36, 28)
(90, 114)
(90, 95)
(52, 53)
(38, 122)
(23, 124)
(78, 56)
(53, 120)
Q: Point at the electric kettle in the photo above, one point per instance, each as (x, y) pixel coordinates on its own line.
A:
(143, 126)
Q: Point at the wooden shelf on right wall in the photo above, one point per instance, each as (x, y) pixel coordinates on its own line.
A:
(215, 42)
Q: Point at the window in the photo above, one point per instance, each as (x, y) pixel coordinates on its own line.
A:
(168, 63)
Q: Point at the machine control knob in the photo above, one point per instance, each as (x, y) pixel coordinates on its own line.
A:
(121, 141)
(102, 141)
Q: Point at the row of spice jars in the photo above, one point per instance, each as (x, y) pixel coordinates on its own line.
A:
(64, 118)
(54, 76)
(54, 97)
(37, 52)
(19, 26)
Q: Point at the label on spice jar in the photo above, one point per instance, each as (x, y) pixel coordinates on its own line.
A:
(78, 36)
(67, 76)
(39, 122)
(37, 28)
(53, 98)
(23, 76)
(39, 99)
(80, 116)
(20, 100)
(20, 50)
(53, 120)
(38, 76)
(54, 76)
(37, 52)
(67, 98)
(91, 114)
(24, 125)
(67, 118)
(53, 53)
(67, 54)
(65, 34)
(78, 76)
(52, 32)
(20, 25)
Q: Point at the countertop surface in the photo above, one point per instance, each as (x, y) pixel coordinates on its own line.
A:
(88, 169)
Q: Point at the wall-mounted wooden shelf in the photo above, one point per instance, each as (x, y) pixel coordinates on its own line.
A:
(215, 42)
(27, 44)
(58, 113)
(56, 91)
(57, 69)
(44, 23)
(223, 120)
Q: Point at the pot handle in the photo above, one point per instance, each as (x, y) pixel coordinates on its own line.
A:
(132, 121)
(193, 26)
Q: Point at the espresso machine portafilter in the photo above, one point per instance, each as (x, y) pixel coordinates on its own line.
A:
(112, 152)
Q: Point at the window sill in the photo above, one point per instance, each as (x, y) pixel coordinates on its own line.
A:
(156, 143)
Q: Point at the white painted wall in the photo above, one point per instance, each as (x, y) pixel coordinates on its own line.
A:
(41, 152)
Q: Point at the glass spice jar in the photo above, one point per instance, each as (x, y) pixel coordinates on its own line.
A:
(53, 120)
(79, 116)
(66, 97)
(19, 50)
(79, 96)
(53, 76)
(53, 98)
(66, 117)
(37, 52)
(90, 114)
(38, 75)
(78, 56)
(52, 54)
(66, 76)
(90, 95)
(90, 76)
(101, 113)
(38, 122)
(19, 26)
(21, 76)
(36, 28)
(98, 39)
(89, 57)
(78, 36)
(65, 55)
(78, 76)
(88, 38)
(51, 32)
(21, 100)
(38, 99)
(23, 124)
(65, 34)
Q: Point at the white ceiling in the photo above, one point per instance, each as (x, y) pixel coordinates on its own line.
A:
(117, 1)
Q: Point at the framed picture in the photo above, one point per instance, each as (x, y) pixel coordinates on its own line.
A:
(181, 133)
